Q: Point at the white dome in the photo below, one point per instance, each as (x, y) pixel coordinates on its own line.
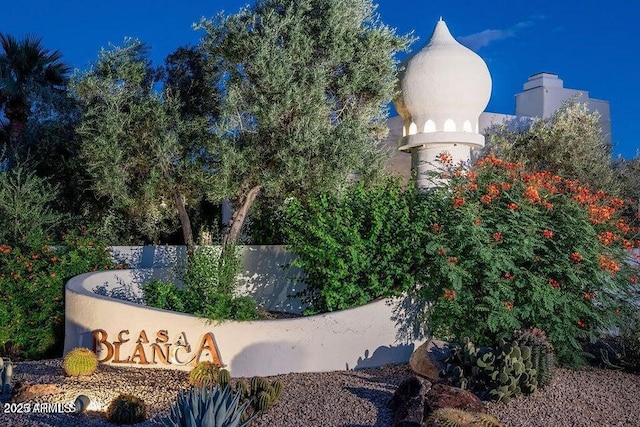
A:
(444, 87)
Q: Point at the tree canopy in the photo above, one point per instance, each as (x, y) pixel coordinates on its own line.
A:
(26, 68)
(569, 144)
(147, 151)
(304, 92)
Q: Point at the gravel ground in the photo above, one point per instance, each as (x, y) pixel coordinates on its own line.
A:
(590, 397)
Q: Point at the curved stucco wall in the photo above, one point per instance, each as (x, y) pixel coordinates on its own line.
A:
(265, 273)
(356, 338)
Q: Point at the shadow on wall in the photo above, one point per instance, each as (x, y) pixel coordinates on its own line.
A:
(409, 313)
(384, 355)
(268, 277)
(149, 256)
(266, 273)
(130, 288)
(268, 358)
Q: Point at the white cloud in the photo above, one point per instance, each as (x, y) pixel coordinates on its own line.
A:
(484, 38)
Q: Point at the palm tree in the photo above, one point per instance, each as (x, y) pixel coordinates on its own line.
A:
(26, 66)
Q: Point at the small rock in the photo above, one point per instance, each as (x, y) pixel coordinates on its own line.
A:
(426, 360)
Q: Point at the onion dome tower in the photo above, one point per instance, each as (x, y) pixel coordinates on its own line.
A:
(444, 88)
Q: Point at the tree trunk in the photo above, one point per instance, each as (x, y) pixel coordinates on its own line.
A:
(184, 222)
(239, 215)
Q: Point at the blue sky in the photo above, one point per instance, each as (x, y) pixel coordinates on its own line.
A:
(590, 44)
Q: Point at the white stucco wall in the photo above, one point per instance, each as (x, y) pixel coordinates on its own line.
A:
(360, 337)
(265, 274)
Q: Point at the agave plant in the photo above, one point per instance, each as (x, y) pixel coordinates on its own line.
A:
(208, 407)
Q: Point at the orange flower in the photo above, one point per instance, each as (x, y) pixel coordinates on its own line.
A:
(547, 234)
(606, 237)
(452, 260)
(477, 221)
(54, 259)
(546, 205)
(486, 199)
(581, 323)
(617, 203)
(575, 256)
(492, 190)
(508, 304)
(608, 264)
(531, 193)
(509, 276)
(513, 206)
(554, 283)
(628, 244)
(436, 228)
(441, 251)
(589, 295)
(53, 275)
(497, 236)
(472, 176)
(633, 279)
(458, 201)
(472, 186)
(35, 256)
(449, 294)
(445, 157)
(505, 186)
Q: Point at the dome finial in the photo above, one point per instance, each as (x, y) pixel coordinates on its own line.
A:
(441, 18)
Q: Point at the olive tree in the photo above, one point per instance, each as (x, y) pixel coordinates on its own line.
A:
(304, 87)
(569, 143)
(144, 148)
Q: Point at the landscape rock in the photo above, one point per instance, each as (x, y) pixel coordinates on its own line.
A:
(426, 360)
(26, 391)
(446, 396)
(408, 402)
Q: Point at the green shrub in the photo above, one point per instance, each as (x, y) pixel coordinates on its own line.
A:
(209, 281)
(356, 246)
(165, 295)
(510, 249)
(26, 207)
(32, 278)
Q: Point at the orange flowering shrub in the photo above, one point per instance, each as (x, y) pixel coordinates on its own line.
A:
(32, 278)
(532, 249)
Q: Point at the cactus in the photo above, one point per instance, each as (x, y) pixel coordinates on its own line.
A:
(542, 353)
(80, 361)
(450, 417)
(262, 401)
(259, 393)
(243, 389)
(126, 409)
(498, 374)
(224, 378)
(276, 390)
(208, 406)
(6, 373)
(204, 374)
